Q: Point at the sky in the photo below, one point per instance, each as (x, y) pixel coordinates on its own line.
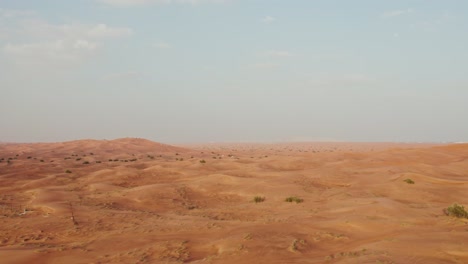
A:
(189, 71)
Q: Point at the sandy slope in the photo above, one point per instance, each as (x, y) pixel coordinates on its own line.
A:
(143, 202)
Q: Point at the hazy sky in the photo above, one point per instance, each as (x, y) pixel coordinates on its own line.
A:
(234, 70)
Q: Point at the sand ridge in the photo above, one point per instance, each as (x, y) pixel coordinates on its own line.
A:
(137, 201)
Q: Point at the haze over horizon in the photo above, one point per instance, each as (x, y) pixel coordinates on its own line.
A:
(234, 70)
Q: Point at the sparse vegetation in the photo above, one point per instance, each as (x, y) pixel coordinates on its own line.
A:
(68, 171)
(259, 199)
(409, 181)
(86, 162)
(295, 244)
(41, 160)
(292, 199)
(202, 161)
(457, 211)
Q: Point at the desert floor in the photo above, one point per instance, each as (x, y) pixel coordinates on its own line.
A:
(136, 201)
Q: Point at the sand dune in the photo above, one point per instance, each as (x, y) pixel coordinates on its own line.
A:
(137, 201)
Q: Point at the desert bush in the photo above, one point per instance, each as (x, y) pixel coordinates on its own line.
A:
(68, 171)
(86, 162)
(29, 157)
(78, 159)
(457, 211)
(409, 181)
(259, 199)
(41, 160)
(98, 161)
(202, 161)
(292, 199)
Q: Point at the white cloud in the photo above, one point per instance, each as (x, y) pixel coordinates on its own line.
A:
(104, 31)
(130, 3)
(268, 20)
(50, 53)
(395, 13)
(279, 54)
(85, 45)
(37, 42)
(14, 13)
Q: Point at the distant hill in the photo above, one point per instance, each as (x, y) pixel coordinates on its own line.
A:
(123, 145)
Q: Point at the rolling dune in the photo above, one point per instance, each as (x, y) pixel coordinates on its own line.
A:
(137, 201)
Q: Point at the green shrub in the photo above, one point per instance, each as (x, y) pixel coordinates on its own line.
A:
(259, 199)
(409, 181)
(457, 211)
(294, 199)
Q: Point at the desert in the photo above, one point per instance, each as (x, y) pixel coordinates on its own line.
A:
(233, 132)
(133, 200)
